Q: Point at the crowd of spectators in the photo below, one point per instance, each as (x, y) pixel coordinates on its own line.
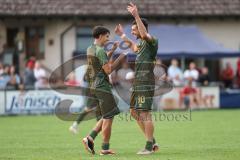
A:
(229, 77)
(201, 77)
(9, 77)
(195, 75)
(34, 76)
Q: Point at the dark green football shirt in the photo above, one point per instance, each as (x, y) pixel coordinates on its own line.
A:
(97, 57)
(144, 64)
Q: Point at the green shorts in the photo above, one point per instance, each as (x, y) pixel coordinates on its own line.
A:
(106, 102)
(90, 102)
(107, 105)
(142, 97)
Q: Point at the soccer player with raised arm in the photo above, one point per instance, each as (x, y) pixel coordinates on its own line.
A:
(90, 104)
(144, 83)
(101, 89)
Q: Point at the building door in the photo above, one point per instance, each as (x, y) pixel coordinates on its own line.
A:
(35, 42)
(11, 37)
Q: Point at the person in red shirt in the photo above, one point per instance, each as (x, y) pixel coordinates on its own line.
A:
(190, 95)
(238, 73)
(228, 75)
(31, 62)
(71, 80)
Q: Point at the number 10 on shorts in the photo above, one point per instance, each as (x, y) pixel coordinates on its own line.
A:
(141, 99)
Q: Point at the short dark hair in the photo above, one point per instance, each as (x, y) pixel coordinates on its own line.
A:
(99, 30)
(144, 21)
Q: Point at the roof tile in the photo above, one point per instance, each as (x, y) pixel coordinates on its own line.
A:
(118, 8)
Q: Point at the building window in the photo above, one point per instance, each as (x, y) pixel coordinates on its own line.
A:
(84, 39)
(41, 42)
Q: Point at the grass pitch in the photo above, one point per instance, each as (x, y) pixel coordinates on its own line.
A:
(208, 135)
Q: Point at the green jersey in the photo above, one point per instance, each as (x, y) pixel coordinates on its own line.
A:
(144, 64)
(99, 81)
(144, 83)
(97, 57)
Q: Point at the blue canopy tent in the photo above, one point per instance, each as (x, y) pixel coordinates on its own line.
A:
(185, 41)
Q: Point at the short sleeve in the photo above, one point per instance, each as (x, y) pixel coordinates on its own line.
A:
(91, 51)
(153, 42)
(153, 45)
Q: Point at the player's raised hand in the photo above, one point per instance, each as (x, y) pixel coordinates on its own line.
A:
(126, 53)
(115, 45)
(132, 8)
(119, 30)
(113, 48)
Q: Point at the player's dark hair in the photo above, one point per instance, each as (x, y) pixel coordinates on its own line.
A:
(99, 30)
(144, 21)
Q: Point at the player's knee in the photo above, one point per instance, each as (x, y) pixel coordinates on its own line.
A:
(145, 116)
(133, 113)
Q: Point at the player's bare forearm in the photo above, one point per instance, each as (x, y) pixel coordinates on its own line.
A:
(116, 63)
(142, 29)
(114, 47)
(109, 53)
(119, 31)
(129, 42)
(111, 66)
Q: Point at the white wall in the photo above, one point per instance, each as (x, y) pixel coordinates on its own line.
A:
(53, 32)
(69, 41)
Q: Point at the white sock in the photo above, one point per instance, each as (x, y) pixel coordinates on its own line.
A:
(75, 124)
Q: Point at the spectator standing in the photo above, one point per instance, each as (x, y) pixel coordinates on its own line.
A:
(204, 77)
(5, 77)
(190, 95)
(175, 74)
(29, 78)
(121, 75)
(31, 62)
(124, 84)
(40, 75)
(238, 73)
(227, 75)
(14, 80)
(71, 80)
(160, 77)
(191, 74)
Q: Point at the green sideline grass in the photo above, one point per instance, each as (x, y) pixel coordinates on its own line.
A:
(208, 135)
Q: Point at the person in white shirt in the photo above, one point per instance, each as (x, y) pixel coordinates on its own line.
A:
(160, 77)
(191, 74)
(121, 75)
(124, 84)
(175, 74)
(40, 75)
